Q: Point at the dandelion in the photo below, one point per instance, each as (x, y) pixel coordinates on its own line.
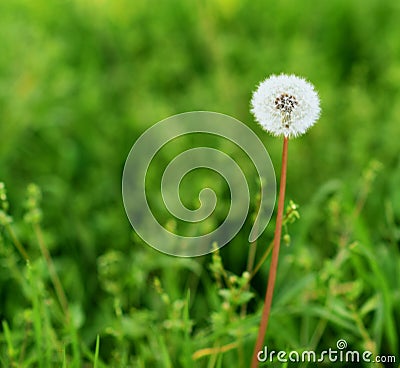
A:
(284, 105)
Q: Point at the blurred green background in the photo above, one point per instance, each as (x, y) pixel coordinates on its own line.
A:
(81, 80)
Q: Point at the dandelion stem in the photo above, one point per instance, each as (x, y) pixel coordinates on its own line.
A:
(274, 261)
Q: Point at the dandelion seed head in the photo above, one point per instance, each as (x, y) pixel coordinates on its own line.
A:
(285, 105)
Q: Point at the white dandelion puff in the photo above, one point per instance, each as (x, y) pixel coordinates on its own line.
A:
(285, 105)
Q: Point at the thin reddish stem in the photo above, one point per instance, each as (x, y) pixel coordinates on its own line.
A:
(274, 261)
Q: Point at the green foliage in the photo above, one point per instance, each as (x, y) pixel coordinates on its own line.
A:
(81, 80)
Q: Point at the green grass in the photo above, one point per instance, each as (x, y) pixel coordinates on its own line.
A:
(81, 80)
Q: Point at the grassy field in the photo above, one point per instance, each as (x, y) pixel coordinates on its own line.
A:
(81, 80)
